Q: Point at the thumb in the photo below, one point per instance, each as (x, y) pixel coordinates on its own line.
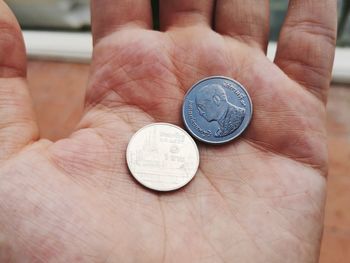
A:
(17, 119)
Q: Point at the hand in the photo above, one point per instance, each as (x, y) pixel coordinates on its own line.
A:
(257, 199)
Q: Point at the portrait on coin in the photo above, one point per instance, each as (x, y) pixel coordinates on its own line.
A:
(213, 105)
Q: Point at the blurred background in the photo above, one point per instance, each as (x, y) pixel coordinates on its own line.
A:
(75, 15)
(59, 46)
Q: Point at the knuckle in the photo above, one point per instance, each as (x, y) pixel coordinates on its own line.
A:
(313, 28)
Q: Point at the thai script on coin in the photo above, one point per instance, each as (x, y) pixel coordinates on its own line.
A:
(217, 110)
(162, 157)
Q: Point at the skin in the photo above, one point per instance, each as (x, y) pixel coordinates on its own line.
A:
(258, 199)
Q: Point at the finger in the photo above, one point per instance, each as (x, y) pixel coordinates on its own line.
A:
(12, 51)
(245, 20)
(17, 126)
(109, 15)
(182, 13)
(307, 41)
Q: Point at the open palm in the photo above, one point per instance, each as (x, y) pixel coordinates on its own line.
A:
(257, 199)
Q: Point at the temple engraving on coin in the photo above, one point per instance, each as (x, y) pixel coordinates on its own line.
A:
(213, 105)
(217, 110)
(162, 157)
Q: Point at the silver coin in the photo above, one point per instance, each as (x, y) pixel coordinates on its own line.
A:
(162, 157)
(217, 110)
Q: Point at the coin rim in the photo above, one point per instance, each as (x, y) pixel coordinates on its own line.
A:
(164, 189)
(216, 142)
